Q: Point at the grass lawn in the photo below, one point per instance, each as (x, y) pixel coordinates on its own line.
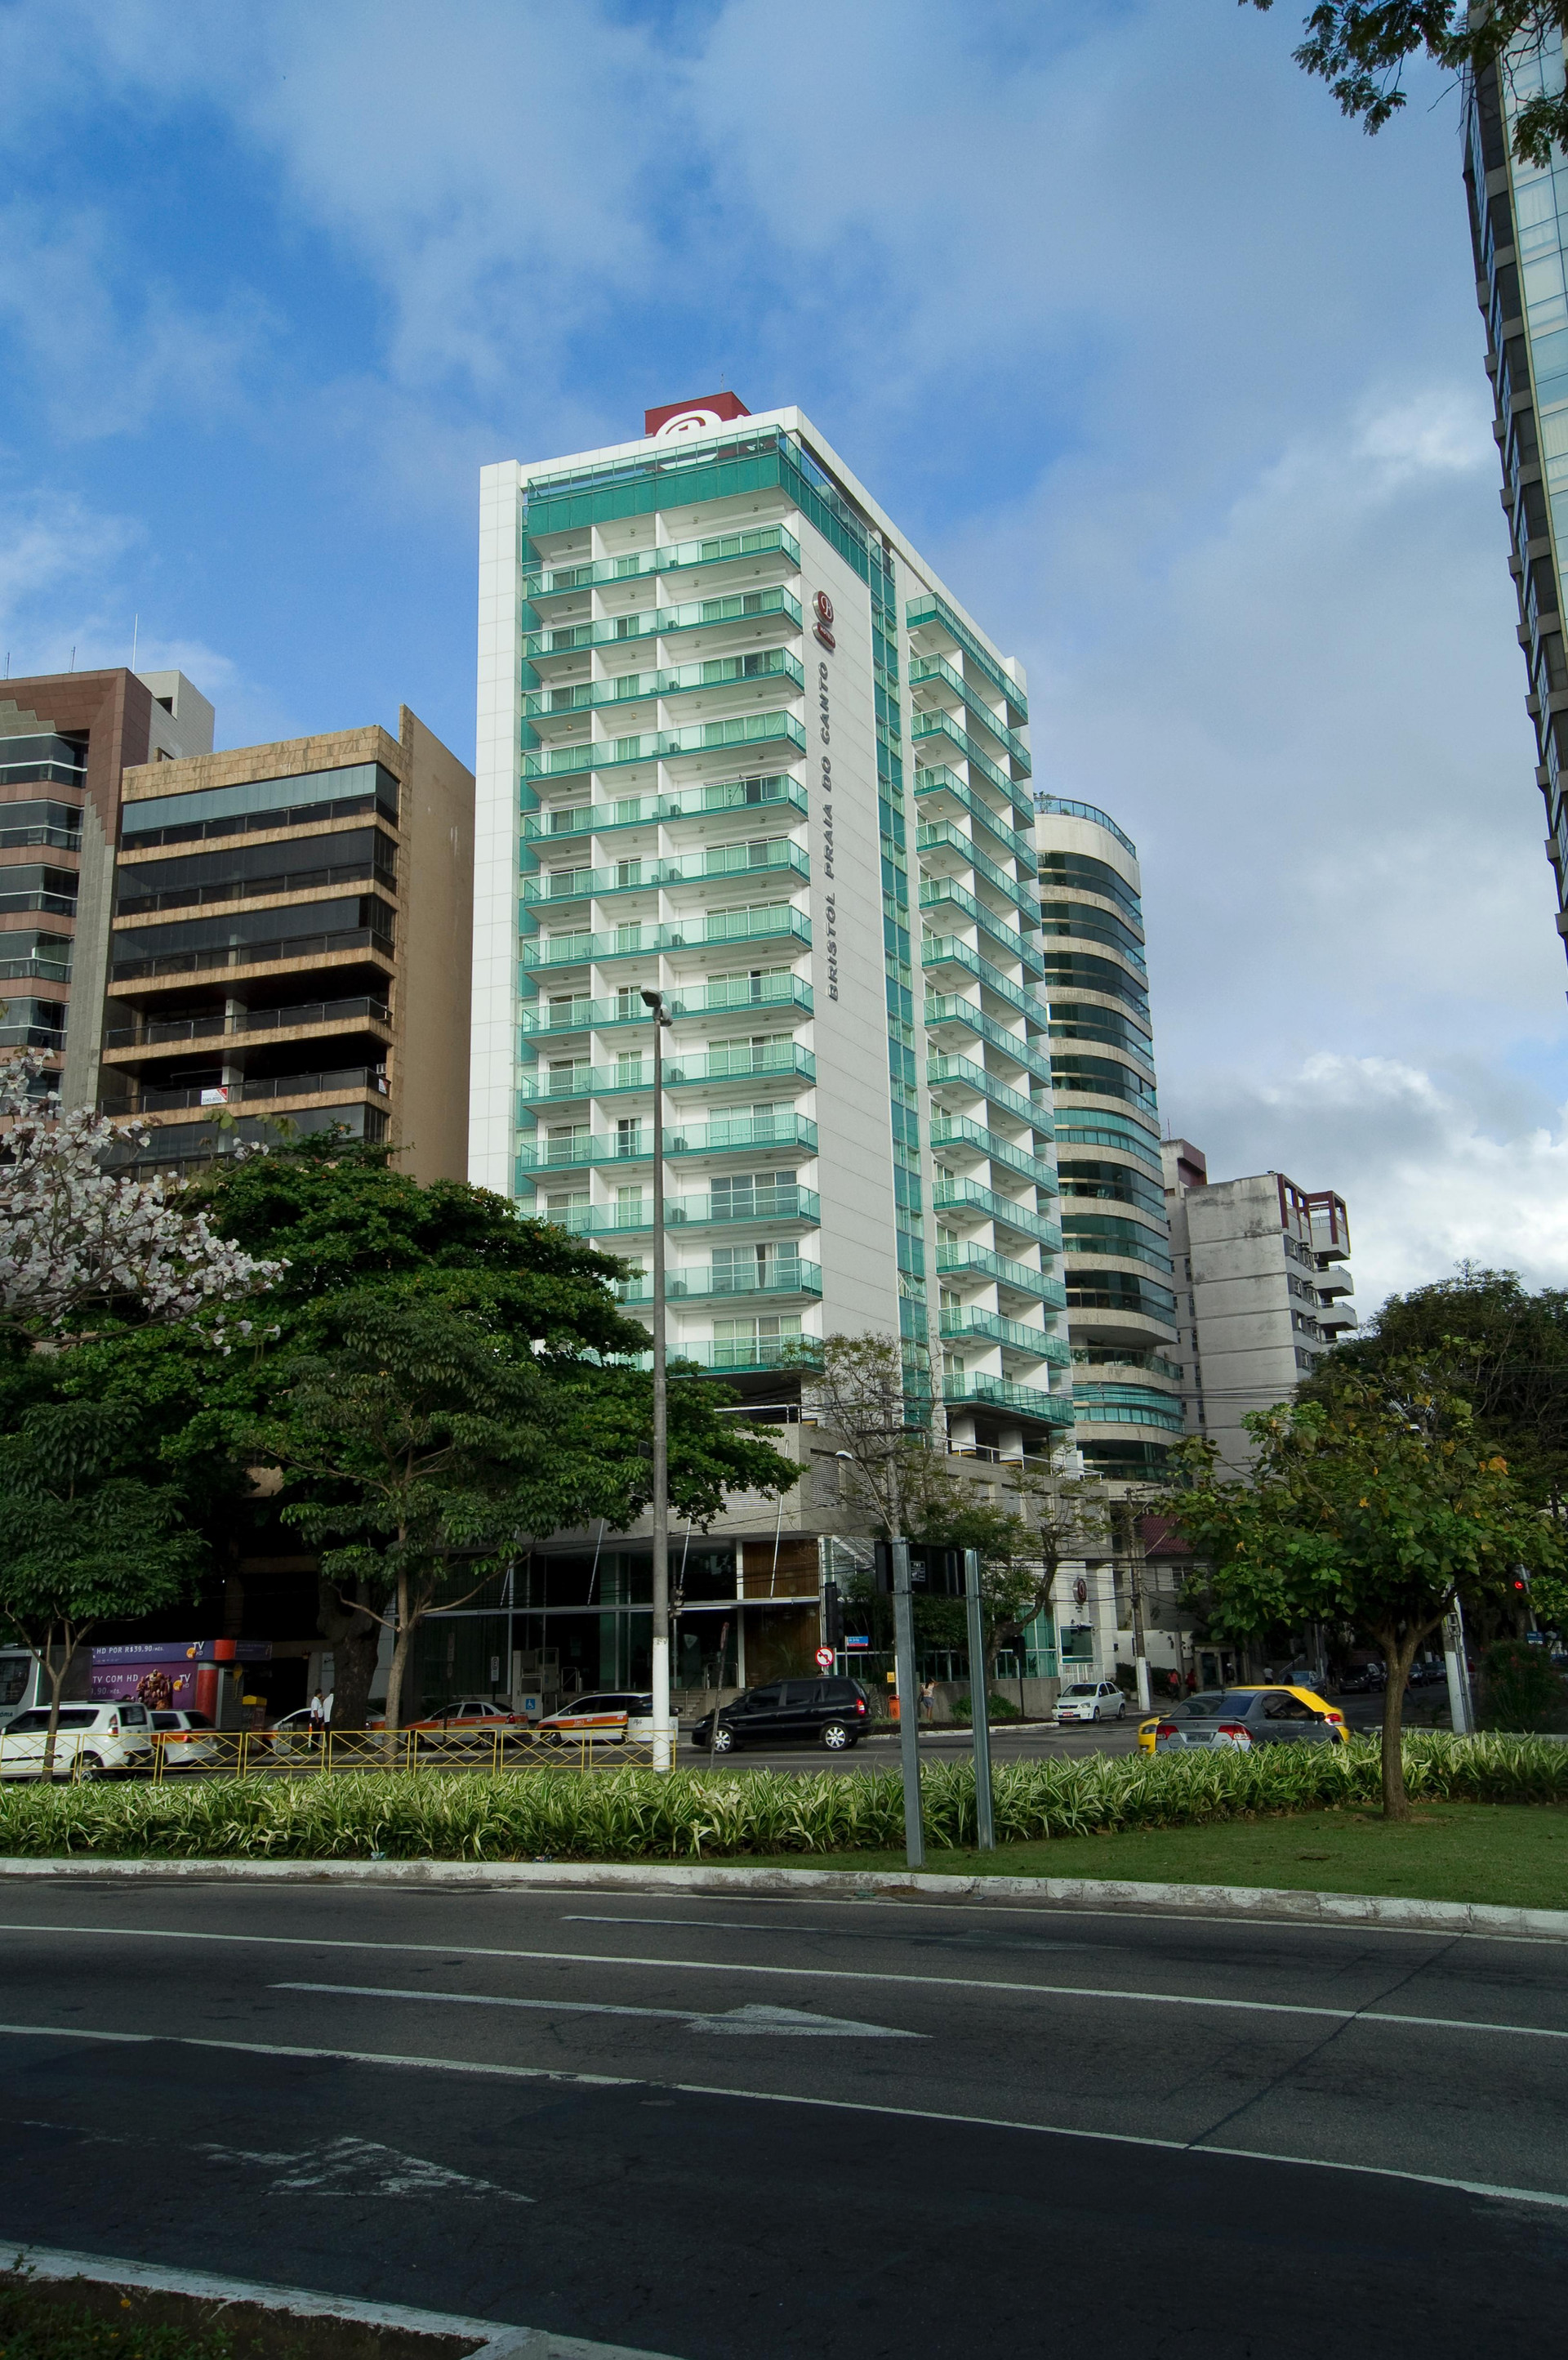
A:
(77, 2319)
(1515, 1854)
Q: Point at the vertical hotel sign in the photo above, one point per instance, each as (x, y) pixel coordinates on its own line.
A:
(822, 631)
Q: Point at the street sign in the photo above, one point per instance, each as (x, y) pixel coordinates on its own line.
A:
(824, 1659)
(857, 1639)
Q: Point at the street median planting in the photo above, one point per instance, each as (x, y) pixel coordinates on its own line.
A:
(714, 1814)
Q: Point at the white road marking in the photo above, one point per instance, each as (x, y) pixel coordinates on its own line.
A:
(1195, 2147)
(839, 1975)
(735, 2019)
(357, 2166)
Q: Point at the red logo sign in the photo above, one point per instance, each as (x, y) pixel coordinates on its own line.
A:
(1080, 1591)
(822, 627)
(825, 1658)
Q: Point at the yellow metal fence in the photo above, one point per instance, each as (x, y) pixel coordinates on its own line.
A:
(304, 1753)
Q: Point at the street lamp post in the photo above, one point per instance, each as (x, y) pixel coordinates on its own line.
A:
(662, 1749)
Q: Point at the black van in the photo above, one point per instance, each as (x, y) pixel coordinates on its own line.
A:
(831, 1712)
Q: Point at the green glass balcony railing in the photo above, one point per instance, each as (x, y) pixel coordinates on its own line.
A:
(949, 1008)
(959, 1071)
(740, 1065)
(938, 668)
(665, 745)
(941, 781)
(634, 1144)
(933, 609)
(945, 950)
(657, 622)
(706, 1281)
(939, 837)
(776, 856)
(1016, 1334)
(551, 582)
(777, 791)
(585, 1081)
(997, 1393)
(960, 1199)
(682, 679)
(942, 895)
(583, 1014)
(959, 1137)
(1127, 1405)
(721, 1137)
(960, 1260)
(950, 742)
(615, 630)
(757, 1207)
(1120, 1240)
(692, 933)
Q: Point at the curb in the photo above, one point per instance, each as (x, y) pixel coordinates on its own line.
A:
(492, 2339)
(1276, 1902)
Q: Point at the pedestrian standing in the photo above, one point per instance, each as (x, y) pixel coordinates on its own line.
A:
(928, 1699)
(318, 1717)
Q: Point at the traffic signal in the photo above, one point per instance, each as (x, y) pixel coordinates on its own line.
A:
(832, 1617)
(1521, 1582)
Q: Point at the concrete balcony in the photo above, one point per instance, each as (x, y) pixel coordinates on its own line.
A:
(976, 1265)
(1017, 1340)
(778, 1279)
(760, 1209)
(965, 1202)
(954, 1081)
(981, 1392)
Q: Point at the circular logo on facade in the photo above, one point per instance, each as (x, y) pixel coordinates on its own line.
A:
(1080, 1591)
(825, 607)
(688, 422)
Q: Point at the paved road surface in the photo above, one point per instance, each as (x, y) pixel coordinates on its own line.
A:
(713, 2127)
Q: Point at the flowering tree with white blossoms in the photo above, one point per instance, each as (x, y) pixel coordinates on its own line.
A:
(76, 1234)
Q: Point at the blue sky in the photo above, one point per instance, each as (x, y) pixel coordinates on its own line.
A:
(1175, 375)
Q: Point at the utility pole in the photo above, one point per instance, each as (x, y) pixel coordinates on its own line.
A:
(979, 1707)
(663, 1749)
(1135, 1584)
(909, 1705)
(1461, 1710)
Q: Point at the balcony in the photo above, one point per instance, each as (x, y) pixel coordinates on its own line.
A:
(703, 1282)
(941, 895)
(958, 1076)
(644, 687)
(778, 855)
(1336, 1279)
(980, 1263)
(745, 1134)
(277, 1086)
(131, 904)
(35, 967)
(930, 785)
(1101, 1235)
(289, 947)
(944, 1009)
(941, 845)
(698, 999)
(715, 1068)
(739, 795)
(961, 1324)
(335, 1012)
(1336, 1318)
(946, 950)
(935, 670)
(692, 933)
(949, 743)
(755, 1207)
(997, 1393)
(931, 615)
(722, 549)
(1112, 1404)
(964, 1141)
(666, 745)
(967, 1199)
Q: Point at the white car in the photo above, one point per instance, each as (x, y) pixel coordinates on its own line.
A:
(1091, 1700)
(93, 1740)
(609, 1716)
(189, 1741)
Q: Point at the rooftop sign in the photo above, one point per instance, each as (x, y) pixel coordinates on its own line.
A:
(675, 419)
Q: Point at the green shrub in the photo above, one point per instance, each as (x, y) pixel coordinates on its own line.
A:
(708, 1814)
(1002, 1708)
(1522, 1688)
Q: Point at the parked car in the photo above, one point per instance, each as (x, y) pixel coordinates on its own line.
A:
(471, 1712)
(183, 1744)
(1199, 1710)
(94, 1741)
(1257, 1716)
(608, 1717)
(1091, 1700)
(834, 1713)
(1431, 1674)
(1361, 1679)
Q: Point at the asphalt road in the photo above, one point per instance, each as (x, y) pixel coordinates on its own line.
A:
(712, 2126)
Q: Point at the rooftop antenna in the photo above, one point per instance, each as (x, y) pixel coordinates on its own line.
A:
(74, 658)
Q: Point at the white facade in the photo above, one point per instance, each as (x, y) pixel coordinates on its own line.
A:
(1263, 1283)
(736, 741)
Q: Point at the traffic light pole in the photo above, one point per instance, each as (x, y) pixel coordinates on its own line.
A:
(979, 1705)
(909, 1705)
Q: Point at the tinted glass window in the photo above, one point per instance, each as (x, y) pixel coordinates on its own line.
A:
(132, 1716)
(166, 1720)
(1235, 1702)
(838, 1691)
(1081, 1687)
(764, 1700)
(801, 1692)
(1287, 1708)
(640, 1704)
(198, 1721)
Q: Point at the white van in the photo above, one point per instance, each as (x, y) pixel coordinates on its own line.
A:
(93, 1740)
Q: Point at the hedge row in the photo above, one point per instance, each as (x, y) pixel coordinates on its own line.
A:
(694, 1815)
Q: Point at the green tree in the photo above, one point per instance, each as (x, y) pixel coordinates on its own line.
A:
(85, 1538)
(422, 1451)
(1361, 49)
(1375, 1504)
(1504, 1349)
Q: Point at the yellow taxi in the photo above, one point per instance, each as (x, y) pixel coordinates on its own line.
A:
(1255, 1714)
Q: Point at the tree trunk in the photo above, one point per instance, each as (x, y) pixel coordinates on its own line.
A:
(1398, 1654)
(399, 1655)
(356, 1635)
(57, 1682)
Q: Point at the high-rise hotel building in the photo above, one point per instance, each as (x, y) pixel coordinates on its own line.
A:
(739, 743)
(1519, 225)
